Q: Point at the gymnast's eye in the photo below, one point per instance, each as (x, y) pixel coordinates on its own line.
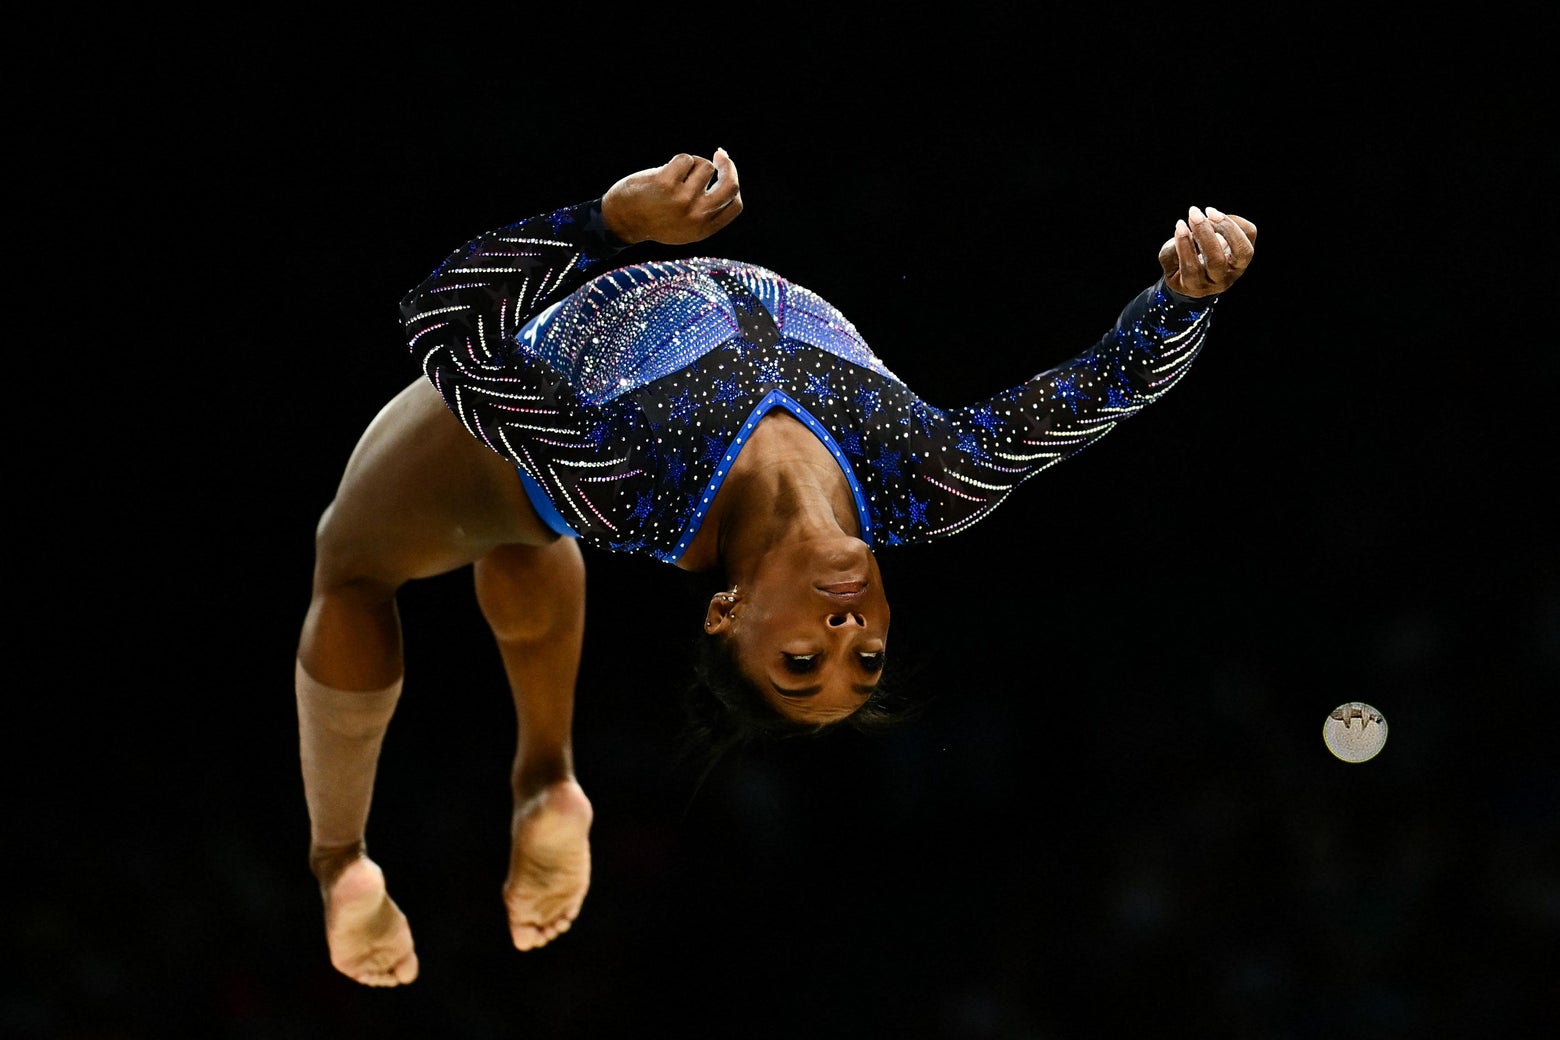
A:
(872, 662)
(800, 664)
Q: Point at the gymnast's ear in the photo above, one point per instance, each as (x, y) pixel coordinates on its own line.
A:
(721, 612)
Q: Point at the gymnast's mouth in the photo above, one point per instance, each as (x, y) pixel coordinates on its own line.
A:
(843, 589)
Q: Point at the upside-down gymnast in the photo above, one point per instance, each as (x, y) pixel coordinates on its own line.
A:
(703, 412)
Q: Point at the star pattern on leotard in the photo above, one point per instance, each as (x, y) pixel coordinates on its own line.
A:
(886, 461)
(560, 219)
(969, 444)
(985, 418)
(682, 406)
(675, 467)
(869, 400)
(631, 395)
(726, 390)
(767, 369)
(1068, 392)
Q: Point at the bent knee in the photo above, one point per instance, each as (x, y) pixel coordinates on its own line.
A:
(531, 592)
(380, 547)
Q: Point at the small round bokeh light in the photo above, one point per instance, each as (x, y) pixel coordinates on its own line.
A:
(1354, 732)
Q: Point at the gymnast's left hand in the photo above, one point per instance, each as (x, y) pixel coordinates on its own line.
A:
(687, 199)
(1208, 253)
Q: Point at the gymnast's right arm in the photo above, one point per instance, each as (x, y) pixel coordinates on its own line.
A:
(467, 311)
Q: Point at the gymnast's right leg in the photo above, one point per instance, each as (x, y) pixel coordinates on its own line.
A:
(419, 497)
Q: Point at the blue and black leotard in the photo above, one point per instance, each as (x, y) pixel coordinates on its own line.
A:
(624, 395)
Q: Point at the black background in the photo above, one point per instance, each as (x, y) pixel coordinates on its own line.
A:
(1117, 817)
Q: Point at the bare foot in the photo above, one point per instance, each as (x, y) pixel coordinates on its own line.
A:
(370, 940)
(549, 865)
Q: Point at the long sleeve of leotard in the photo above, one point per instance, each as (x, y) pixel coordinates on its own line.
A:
(963, 462)
(460, 321)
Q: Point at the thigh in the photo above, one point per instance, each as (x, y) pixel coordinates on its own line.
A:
(420, 496)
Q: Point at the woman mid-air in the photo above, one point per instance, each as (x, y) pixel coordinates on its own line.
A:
(703, 412)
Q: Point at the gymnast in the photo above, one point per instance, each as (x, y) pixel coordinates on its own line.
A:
(703, 412)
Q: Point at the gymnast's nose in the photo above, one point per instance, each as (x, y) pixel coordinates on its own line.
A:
(841, 620)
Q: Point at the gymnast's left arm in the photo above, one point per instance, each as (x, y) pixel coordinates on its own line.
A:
(983, 451)
(1146, 352)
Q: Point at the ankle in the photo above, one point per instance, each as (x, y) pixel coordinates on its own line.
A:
(326, 862)
(537, 775)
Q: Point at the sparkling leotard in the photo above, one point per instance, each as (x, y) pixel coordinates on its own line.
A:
(623, 398)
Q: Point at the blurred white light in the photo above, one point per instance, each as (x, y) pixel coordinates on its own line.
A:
(1354, 732)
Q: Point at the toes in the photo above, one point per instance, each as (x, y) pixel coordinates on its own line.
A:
(530, 936)
(378, 978)
(383, 968)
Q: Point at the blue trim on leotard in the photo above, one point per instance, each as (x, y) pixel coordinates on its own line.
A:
(772, 400)
(544, 506)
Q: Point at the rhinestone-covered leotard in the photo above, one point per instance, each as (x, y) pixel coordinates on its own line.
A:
(623, 398)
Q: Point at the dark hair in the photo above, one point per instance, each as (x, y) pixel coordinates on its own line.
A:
(724, 709)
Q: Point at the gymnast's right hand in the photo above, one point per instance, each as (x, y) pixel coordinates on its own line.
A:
(686, 200)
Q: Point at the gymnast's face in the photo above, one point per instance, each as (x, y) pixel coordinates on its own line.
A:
(810, 627)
